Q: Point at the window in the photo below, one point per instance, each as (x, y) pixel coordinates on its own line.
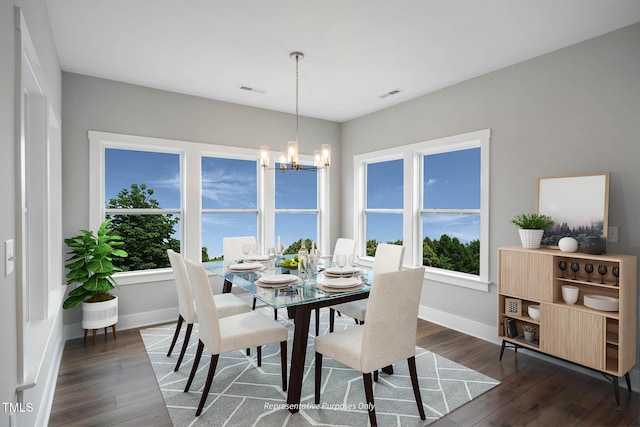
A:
(194, 195)
(296, 206)
(142, 199)
(451, 210)
(229, 202)
(435, 196)
(384, 204)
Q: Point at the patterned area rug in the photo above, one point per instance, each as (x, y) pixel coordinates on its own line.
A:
(244, 395)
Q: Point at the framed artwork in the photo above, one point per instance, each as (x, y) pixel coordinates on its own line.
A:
(512, 306)
(578, 204)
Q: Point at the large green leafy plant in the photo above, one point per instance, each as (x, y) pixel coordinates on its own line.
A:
(91, 265)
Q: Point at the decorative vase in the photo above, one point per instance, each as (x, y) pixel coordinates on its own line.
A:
(568, 244)
(530, 238)
(593, 245)
(97, 315)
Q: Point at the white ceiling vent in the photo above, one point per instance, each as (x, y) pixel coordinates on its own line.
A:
(251, 89)
(391, 92)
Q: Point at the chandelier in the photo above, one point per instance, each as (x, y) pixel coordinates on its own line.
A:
(289, 162)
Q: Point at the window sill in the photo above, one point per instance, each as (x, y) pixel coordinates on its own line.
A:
(457, 279)
(143, 276)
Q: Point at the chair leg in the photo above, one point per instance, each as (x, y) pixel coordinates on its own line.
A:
(207, 386)
(194, 368)
(368, 391)
(259, 351)
(275, 314)
(283, 364)
(357, 322)
(318, 377)
(332, 314)
(253, 307)
(416, 387)
(317, 321)
(175, 335)
(375, 376)
(185, 344)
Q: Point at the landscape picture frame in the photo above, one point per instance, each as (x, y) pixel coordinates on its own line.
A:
(578, 205)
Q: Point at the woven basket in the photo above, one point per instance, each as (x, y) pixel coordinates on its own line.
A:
(530, 238)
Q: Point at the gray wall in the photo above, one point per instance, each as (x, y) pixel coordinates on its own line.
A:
(96, 104)
(573, 111)
(35, 14)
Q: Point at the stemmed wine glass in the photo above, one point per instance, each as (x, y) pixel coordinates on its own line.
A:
(246, 248)
(353, 260)
(563, 266)
(616, 273)
(257, 249)
(602, 269)
(341, 260)
(575, 267)
(589, 269)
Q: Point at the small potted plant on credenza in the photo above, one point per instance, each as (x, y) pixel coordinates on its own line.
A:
(91, 266)
(531, 228)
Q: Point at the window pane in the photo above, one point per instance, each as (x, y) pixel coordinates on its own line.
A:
(158, 172)
(452, 180)
(293, 227)
(229, 184)
(383, 228)
(146, 240)
(384, 185)
(296, 190)
(451, 242)
(216, 226)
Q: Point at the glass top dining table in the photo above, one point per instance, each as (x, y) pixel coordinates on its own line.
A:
(299, 299)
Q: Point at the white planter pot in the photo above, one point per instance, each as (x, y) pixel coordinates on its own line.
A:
(530, 238)
(97, 315)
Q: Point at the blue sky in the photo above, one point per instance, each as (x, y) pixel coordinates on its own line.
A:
(451, 181)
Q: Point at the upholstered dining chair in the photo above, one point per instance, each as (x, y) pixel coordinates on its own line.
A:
(388, 335)
(388, 258)
(343, 246)
(237, 332)
(227, 304)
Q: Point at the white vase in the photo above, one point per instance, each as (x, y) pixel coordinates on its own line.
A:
(97, 315)
(530, 238)
(568, 244)
(529, 335)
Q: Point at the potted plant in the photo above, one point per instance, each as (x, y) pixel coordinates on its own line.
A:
(529, 332)
(90, 265)
(531, 228)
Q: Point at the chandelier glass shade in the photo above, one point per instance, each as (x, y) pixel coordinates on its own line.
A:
(290, 160)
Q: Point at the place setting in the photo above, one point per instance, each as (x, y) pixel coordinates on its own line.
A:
(341, 270)
(340, 284)
(277, 280)
(246, 267)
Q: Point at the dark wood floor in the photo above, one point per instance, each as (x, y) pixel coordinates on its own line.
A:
(112, 384)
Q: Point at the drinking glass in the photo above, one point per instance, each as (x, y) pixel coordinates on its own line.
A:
(563, 267)
(602, 269)
(616, 273)
(279, 249)
(575, 267)
(353, 260)
(589, 269)
(341, 260)
(257, 249)
(246, 248)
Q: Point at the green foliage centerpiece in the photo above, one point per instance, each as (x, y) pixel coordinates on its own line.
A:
(91, 265)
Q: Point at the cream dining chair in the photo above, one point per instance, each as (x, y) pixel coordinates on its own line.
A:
(227, 304)
(388, 258)
(237, 332)
(388, 335)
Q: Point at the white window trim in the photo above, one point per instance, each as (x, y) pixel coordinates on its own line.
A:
(191, 200)
(412, 220)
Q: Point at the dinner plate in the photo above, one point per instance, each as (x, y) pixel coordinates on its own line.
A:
(260, 283)
(340, 271)
(329, 289)
(246, 266)
(278, 278)
(259, 258)
(341, 282)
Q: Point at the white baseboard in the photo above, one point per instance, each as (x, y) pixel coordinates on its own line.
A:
(138, 320)
(490, 334)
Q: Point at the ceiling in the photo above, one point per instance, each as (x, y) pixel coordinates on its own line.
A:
(355, 50)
